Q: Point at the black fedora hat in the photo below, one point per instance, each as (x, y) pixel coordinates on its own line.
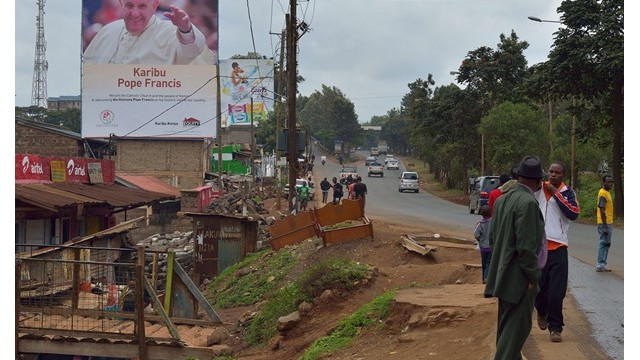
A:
(530, 167)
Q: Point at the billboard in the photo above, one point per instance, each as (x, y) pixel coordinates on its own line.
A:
(241, 80)
(148, 68)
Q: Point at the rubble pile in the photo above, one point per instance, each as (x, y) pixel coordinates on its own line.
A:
(235, 203)
(179, 242)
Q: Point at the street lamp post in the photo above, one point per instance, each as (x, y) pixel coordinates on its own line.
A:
(573, 119)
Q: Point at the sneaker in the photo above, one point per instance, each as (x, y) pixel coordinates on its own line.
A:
(555, 336)
(542, 322)
(603, 269)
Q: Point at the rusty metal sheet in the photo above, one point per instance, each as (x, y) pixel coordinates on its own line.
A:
(221, 241)
(115, 195)
(293, 229)
(43, 195)
(361, 231)
(334, 214)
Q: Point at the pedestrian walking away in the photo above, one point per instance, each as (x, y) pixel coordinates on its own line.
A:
(605, 220)
(325, 185)
(481, 233)
(360, 191)
(559, 207)
(515, 236)
(337, 191)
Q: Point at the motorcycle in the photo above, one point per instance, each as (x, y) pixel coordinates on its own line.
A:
(323, 162)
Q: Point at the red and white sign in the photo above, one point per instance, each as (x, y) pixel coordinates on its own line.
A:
(36, 168)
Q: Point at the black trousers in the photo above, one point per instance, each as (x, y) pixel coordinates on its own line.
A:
(553, 288)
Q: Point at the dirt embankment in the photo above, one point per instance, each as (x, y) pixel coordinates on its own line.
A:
(438, 312)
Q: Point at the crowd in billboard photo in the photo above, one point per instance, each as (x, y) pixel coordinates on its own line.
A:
(150, 32)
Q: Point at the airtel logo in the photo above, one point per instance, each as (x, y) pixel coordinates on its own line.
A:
(72, 169)
(35, 168)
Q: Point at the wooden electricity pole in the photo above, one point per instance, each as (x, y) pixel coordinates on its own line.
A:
(291, 101)
(219, 127)
(279, 115)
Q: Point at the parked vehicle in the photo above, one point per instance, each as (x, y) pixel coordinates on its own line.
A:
(409, 180)
(393, 165)
(369, 160)
(479, 189)
(344, 173)
(375, 168)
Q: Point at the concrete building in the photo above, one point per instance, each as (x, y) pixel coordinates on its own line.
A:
(64, 102)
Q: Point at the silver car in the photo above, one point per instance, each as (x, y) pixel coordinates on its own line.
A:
(409, 180)
(393, 165)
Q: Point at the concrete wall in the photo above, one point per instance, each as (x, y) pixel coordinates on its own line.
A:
(236, 135)
(180, 163)
(31, 140)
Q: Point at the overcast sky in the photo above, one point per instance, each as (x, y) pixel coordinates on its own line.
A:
(369, 49)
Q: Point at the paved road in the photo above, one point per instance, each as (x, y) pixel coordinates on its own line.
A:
(599, 295)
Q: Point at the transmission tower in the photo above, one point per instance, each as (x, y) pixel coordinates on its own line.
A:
(40, 65)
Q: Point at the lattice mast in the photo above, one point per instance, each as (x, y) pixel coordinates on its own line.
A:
(40, 64)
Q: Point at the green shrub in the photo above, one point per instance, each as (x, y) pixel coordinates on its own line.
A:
(228, 290)
(283, 302)
(335, 274)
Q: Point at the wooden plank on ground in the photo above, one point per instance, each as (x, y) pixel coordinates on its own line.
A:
(415, 247)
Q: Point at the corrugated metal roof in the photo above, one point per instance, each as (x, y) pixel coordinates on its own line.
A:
(43, 195)
(149, 183)
(49, 127)
(115, 195)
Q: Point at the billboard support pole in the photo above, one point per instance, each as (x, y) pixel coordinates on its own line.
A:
(219, 126)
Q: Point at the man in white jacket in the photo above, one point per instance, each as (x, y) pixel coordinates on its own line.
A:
(559, 207)
(140, 37)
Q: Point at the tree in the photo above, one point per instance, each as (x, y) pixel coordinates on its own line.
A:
(330, 116)
(587, 61)
(512, 131)
(497, 74)
(68, 118)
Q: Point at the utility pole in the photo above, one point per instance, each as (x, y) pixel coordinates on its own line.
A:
(279, 115)
(573, 145)
(219, 126)
(40, 64)
(253, 145)
(291, 100)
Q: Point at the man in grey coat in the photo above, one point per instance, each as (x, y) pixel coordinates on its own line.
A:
(516, 234)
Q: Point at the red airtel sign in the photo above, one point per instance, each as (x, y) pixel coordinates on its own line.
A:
(32, 168)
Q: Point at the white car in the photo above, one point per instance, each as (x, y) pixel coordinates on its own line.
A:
(409, 181)
(388, 158)
(393, 165)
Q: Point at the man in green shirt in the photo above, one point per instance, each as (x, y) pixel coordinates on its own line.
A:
(516, 234)
(303, 194)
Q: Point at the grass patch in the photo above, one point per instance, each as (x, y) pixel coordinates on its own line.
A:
(332, 273)
(229, 289)
(372, 313)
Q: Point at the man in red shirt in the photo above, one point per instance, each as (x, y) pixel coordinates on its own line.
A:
(495, 193)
